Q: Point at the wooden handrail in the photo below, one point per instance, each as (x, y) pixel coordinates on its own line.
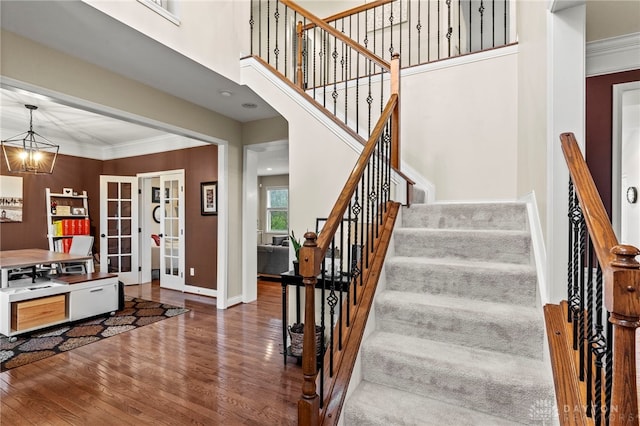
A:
(337, 34)
(350, 12)
(338, 210)
(621, 277)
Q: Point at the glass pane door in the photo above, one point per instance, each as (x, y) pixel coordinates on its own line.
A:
(172, 231)
(119, 224)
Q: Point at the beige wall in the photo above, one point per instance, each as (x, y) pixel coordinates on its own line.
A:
(612, 18)
(532, 103)
(266, 130)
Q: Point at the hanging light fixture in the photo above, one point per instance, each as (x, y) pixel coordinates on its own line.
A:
(23, 153)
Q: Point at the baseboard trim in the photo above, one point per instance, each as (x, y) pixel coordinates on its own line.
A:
(201, 290)
(537, 240)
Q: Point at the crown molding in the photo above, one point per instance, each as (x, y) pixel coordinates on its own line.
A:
(612, 55)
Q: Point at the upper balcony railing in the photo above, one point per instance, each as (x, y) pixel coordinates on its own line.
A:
(423, 31)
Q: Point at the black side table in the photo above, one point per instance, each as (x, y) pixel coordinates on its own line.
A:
(290, 278)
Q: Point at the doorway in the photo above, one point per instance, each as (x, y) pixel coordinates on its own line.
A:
(161, 222)
(626, 162)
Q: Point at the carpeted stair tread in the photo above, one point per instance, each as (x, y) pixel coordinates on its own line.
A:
(467, 322)
(491, 382)
(507, 282)
(508, 215)
(374, 404)
(489, 245)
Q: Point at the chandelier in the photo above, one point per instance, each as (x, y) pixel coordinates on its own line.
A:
(24, 153)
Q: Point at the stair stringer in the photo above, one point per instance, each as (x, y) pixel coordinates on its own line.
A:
(356, 375)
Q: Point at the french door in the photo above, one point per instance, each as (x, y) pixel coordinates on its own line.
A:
(119, 227)
(172, 231)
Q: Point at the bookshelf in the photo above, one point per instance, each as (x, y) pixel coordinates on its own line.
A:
(67, 215)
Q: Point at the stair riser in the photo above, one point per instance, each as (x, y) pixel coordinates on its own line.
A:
(514, 336)
(454, 383)
(472, 283)
(482, 246)
(466, 216)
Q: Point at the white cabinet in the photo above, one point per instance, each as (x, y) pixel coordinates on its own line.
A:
(67, 215)
(100, 298)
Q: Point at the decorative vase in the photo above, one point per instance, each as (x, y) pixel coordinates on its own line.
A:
(296, 267)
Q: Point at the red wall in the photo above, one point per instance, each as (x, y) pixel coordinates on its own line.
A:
(201, 233)
(599, 112)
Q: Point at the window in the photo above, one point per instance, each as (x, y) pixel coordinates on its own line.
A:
(165, 8)
(278, 209)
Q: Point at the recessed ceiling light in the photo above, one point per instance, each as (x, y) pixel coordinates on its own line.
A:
(225, 93)
(249, 105)
(269, 169)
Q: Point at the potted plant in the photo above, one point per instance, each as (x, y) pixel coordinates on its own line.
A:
(295, 243)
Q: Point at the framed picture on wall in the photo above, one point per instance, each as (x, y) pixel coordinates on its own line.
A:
(208, 198)
(155, 194)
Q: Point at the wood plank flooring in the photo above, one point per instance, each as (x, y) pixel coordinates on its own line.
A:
(206, 367)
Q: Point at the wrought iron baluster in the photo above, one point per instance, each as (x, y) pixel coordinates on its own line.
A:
(260, 28)
(481, 10)
(459, 27)
(390, 31)
(251, 24)
(493, 23)
(599, 348)
(438, 20)
(276, 16)
(419, 27)
(608, 371)
(505, 21)
(334, 93)
(340, 283)
(350, 267)
(589, 333)
(449, 28)
(332, 300)
(268, 31)
(470, 27)
(581, 288)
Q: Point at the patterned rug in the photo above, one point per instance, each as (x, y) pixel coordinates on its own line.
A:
(44, 343)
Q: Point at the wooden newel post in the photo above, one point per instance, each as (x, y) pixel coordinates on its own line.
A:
(623, 301)
(395, 116)
(299, 76)
(309, 404)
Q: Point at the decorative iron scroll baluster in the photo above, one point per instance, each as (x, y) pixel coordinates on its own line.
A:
(581, 289)
(390, 32)
(588, 334)
(251, 25)
(334, 94)
(268, 31)
(608, 371)
(276, 16)
(449, 27)
(419, 28)
(598, 348)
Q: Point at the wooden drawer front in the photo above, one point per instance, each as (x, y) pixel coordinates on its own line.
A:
(38, 312)
(93, 301)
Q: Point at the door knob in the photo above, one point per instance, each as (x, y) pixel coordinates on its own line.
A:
(102, 235)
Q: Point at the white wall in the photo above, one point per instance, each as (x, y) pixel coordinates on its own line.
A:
(460, 125)
(319, 160)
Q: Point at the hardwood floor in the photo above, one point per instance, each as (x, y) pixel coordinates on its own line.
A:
(206, 367)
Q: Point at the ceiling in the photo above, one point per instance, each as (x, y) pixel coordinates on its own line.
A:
(76, 28)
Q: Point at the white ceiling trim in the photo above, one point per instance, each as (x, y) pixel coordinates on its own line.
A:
(614, 54)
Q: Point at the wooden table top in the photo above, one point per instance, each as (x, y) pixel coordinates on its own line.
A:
(29, 257)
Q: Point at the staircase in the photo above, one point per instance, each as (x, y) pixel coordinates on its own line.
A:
(459, 333)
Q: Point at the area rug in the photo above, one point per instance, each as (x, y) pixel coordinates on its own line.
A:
(44, 343)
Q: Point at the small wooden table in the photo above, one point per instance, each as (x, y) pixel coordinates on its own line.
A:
(13, 259)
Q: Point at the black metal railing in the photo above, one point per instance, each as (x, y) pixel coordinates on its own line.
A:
(353, 86)
(592, 331)
(423, 31)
